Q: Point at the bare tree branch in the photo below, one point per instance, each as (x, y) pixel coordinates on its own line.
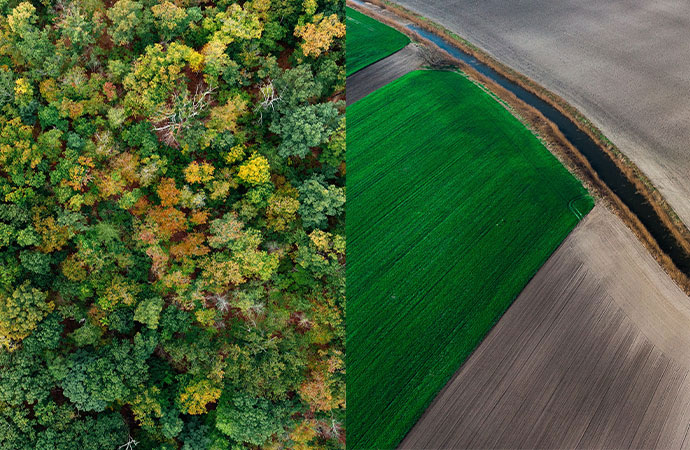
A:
(177, 115)
(270, 98)
(129, 445)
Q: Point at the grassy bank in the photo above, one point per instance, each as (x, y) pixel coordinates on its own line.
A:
(369, 40)
(453, 205)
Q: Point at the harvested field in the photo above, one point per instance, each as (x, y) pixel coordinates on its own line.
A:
(369, 40)
(442, 202)
(379, 74)
(623, 64)
(594, 353)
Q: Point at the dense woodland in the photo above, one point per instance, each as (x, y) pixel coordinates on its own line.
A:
(171, 224)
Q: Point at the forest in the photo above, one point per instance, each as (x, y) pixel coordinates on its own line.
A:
(172, 244)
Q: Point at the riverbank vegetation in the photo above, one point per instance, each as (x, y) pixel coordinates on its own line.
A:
(453, 206)
(171, 224)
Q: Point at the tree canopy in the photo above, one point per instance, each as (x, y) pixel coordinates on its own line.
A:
(172, 224)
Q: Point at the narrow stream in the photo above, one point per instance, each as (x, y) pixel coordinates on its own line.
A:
(600, 161)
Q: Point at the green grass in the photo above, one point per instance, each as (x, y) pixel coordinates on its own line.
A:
(453, 205)
(369, 40)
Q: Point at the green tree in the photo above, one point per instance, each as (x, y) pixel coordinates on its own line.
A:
(96, 380)
(319, 201)
(105, 432)
(171, 20)
(148, 312)
(7, 84)
(93, 382)
(36, 262)
(250, 420)
(23, 378)
(77, 27)
(156, 75)
(297, 86)
(305, 127)
(129, 21)
(31, 44)
(333, 154)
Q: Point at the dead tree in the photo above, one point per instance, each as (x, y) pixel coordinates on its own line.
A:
(177, 115)
(129, 445)
(270, 98)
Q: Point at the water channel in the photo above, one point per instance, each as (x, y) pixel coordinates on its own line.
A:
(598, 158)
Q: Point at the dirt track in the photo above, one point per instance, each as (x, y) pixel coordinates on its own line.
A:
(594, 353)
(625, 65)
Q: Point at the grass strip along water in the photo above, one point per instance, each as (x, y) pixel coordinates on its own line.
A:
(369, 40)
(453, 205)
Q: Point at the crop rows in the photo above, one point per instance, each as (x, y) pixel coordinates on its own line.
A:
(453, 205)
(369, 40)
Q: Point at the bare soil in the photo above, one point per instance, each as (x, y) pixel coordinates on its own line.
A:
(364, 82)
(594, 353)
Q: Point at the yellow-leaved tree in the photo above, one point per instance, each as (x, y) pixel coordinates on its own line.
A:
(20, 313)
(255, 170)
(319, 35)
(197, 395)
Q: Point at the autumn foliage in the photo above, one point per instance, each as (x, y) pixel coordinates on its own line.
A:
(171, 224)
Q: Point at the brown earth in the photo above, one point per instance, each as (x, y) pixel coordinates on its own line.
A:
(594, 353)
(365, 81)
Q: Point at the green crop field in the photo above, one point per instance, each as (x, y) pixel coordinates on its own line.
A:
(369, 40)
(453, 205)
